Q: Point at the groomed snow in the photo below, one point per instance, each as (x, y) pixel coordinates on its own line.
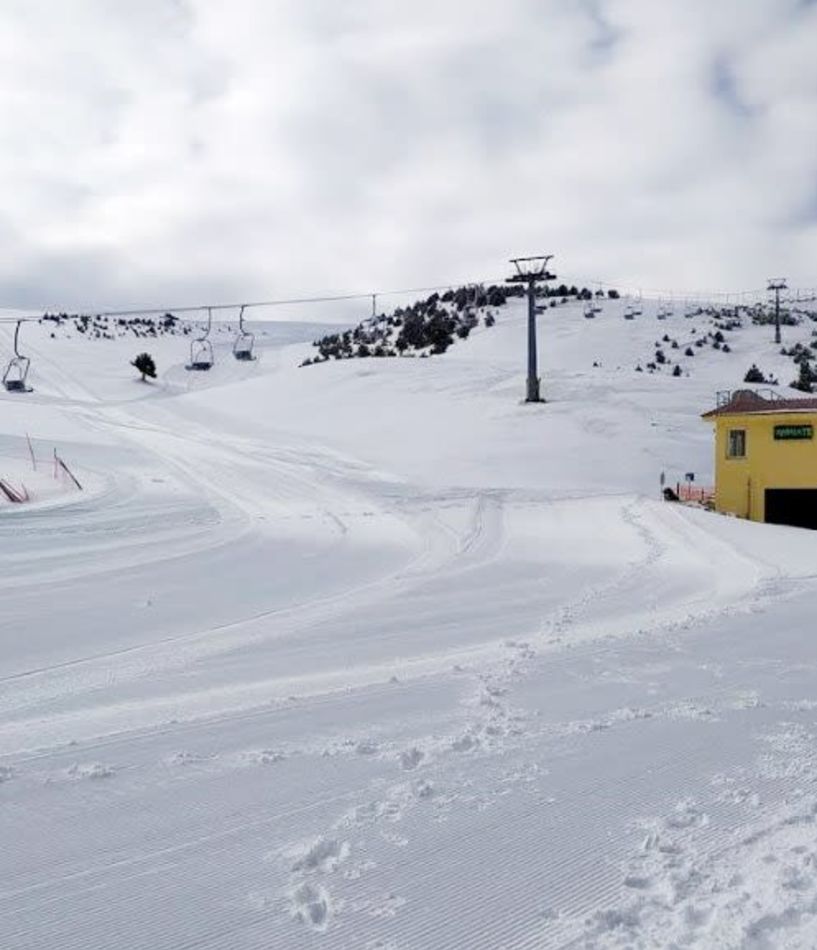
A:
(372, 655)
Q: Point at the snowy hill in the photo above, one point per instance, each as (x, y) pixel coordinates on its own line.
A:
(373, 654)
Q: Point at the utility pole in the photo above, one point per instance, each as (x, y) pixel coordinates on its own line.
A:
(531, 271)
(777, 284)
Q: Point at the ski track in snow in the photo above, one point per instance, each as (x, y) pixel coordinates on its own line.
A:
(269, 690)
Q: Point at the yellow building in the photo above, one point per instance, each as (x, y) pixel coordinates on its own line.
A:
(766, 457)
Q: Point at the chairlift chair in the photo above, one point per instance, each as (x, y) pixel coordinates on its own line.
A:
(244, 341)
(590, 311)
(471, 308)
(15, 377)
(201, 349)
(629, 312)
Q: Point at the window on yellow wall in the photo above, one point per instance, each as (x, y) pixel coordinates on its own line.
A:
(736, 444)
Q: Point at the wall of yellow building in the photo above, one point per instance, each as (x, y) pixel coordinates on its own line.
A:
(741, 483)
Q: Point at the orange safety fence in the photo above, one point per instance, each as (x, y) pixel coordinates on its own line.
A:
(701, 494)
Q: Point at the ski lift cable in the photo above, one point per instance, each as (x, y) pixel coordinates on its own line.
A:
(197, 308)
(334, 298)
(279, 302)
(624, 287)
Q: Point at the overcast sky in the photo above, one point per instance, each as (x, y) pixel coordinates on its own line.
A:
(173, 151)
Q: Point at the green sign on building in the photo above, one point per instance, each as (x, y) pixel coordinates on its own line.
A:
(794, 432)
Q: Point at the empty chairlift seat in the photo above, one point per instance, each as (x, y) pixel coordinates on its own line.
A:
(201, 355)
(15, 376)
(201, 349)
(244, 341)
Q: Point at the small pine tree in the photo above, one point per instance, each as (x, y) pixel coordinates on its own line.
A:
(144, 363)
(677, 370)
(805, 379)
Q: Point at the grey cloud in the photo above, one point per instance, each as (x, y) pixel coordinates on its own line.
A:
(604, 37)
(181, 148)
(725, 87)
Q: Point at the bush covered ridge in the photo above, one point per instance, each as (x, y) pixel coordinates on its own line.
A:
(724, 321)
(103, 327)
(428, 327)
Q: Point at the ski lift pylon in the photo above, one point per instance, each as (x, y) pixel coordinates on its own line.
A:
(15, 377)
(201, 349)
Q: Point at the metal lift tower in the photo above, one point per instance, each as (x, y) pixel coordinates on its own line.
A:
(531, 271)
(777, 284)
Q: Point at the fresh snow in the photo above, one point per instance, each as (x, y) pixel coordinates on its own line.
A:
(372, 655)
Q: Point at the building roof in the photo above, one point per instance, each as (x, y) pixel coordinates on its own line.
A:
(742, 401)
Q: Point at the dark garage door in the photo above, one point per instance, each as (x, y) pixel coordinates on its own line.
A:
(794, 506)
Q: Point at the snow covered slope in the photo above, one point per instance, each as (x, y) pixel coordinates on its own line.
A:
(371, 654)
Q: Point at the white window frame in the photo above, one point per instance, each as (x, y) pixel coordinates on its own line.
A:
(733, 436)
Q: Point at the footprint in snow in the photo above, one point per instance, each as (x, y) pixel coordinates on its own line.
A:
(465, 743)
(388, 907)
(411, 758)
(399, 841)
(356, 871)
(263, 756)
(363, 746)
(323, 854)
(186, 757)
(686, 814)
(423, 789)
(93, 770)
(312, 905)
